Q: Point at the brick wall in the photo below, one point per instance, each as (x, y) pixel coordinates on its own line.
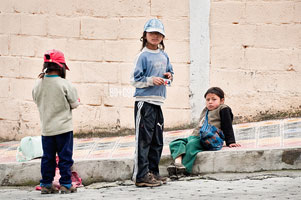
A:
(256, 55)
(100, 39)
(255, 48)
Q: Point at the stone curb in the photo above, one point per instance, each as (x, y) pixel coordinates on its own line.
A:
(101, 170)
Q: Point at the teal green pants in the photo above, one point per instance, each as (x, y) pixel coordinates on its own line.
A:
(187, 148)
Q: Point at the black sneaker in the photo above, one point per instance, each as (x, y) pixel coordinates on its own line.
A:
(49, 190)
(147, 181)
(159, 178)
(172, 171)
(176, 170)
(65, 190)
(180, 168)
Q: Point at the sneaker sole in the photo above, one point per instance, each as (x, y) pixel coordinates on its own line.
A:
(67, 192)
(45, 192)
(161, 182)
(49, 192)
(148, 184)
(174, 177)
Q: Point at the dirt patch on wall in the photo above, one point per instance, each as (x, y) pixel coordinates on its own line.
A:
(268, 115)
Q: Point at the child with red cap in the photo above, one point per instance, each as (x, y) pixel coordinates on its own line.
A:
(55, 98)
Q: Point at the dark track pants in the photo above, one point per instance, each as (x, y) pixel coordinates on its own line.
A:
(149, 138)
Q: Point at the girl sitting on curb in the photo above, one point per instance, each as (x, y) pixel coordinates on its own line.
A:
(184, 150)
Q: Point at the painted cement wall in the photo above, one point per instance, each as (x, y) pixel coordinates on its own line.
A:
(255, 53)
(199, 55)
(251, 50)
(100, 40)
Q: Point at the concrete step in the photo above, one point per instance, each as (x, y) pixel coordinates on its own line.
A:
(108, 170)
(266, 145)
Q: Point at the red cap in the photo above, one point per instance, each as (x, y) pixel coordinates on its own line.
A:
(55, 56)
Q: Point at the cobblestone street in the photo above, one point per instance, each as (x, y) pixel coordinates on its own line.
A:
(226, 186)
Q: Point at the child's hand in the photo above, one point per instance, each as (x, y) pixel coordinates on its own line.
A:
(168, 75)
(158, 81)
(234, 145)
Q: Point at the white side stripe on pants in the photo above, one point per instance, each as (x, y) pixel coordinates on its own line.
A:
(138, 118)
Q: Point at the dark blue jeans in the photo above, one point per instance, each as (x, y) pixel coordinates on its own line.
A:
(62, 145)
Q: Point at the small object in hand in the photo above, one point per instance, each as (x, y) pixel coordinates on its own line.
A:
(167, 82)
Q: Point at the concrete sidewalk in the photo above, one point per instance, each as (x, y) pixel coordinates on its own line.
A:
(267, 145)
